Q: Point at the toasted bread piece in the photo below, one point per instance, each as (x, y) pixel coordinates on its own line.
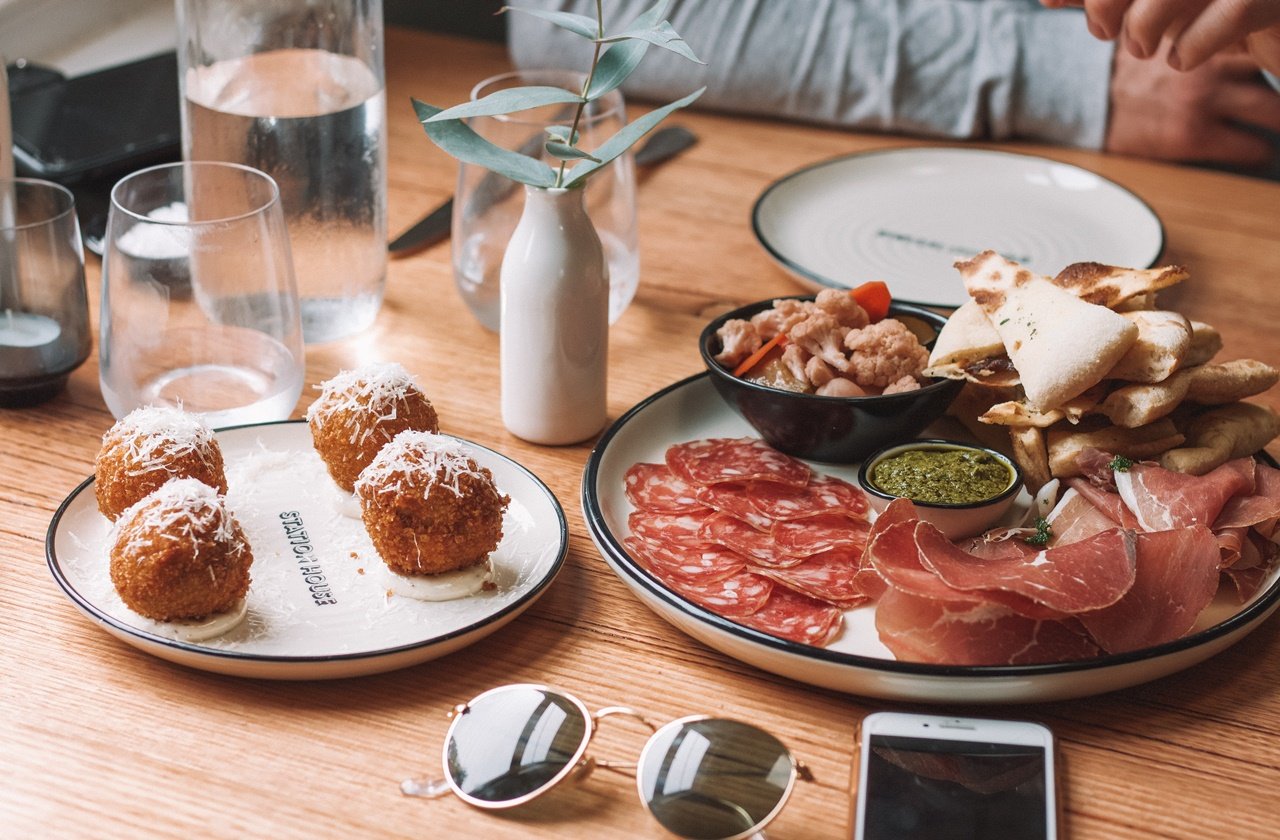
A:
(1031, 455)
(1206, 341)
(1112, 287)
(1220, 434)
(1163, 339)
(1137, 405)
(1065, 445)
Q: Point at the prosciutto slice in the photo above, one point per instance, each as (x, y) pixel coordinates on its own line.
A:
(654, 487)
(714, 460)
(1106, 502)
(1075, 518)
(973, 632)
(1260, 510)
(1177, 576)
(1163, 500)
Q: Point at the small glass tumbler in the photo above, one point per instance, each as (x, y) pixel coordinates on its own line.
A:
(487, 206)
(44, 307)
(296, 88)
(199, 305)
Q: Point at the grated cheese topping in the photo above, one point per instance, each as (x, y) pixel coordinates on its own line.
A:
(444, 460)
(375, 389)
(181, 510)
(154, 436)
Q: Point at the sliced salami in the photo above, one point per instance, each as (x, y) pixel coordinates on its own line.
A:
(734, 597)
(733, 498)
(796, 617)
(758, 546)
(831, 577)
(715, 460)
(816, 534)
(691, 564)
(654, 487)
(823, 494)
(674, 530)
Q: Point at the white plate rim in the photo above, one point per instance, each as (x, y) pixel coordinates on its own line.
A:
(620, 559)
(197, 651)
(817, 282)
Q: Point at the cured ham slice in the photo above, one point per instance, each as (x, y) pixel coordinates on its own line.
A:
(796, 617)
(758, 546)
(731, 498)
(1257, 557)
(973, 633)
(1163, 500)
(1177, 576)
(834, 577)
(654, 487)
(1260, 510)
(823, 494)
(1106, 502)
(707, 565)
(670, 529)
(1075, 518)
(715, 460)
(824, 532)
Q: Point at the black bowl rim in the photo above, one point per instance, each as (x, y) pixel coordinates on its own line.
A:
(935, 443)
(716, 369)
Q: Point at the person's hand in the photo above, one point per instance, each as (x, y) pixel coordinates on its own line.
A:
(1198, 28)
(1203, 114)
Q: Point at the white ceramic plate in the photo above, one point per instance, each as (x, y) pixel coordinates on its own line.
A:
(856, 662)
(273, 470)
(905, 215)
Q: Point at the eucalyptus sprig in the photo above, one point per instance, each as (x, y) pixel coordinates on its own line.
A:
(615, 57)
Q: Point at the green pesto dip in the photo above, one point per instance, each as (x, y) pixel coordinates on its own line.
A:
(942, 476)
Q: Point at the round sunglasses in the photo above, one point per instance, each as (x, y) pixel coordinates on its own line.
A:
(702, 778)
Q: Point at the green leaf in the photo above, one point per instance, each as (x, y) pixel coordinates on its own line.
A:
(563, 151)
(561, 133)
(506, 101)
(587, 27)
(624, 139)
(620, 59)
(460, 141)
(660, 35)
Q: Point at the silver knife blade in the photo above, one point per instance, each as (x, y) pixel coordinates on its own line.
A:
(663, 144)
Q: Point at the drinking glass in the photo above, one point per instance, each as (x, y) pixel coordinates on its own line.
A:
(44, 307)
(199, 306)
(295, 88)
(487, 206)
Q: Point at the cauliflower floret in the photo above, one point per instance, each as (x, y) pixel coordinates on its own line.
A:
(906, 383)
(883, 353)
(738, 340)
(794, 358)
(818, 372)
(781, 317)
(840, 387)
(840, 305)
(823, 337)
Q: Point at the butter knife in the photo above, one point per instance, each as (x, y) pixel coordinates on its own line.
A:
(662, 145)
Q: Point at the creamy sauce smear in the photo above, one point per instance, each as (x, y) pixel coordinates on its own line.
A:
(446, 586)
(205, 628)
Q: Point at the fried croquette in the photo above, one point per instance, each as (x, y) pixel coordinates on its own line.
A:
(149, 446)
(428, 507)
(359, 411)
(180, 554)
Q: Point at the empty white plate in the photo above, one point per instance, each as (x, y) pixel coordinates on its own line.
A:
(318, 606)
(906, 215)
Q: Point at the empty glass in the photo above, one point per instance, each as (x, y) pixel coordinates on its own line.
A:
(487, 206)
(44, 308)
(199, 305)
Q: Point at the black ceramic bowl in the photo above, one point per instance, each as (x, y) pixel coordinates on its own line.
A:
(837, 430)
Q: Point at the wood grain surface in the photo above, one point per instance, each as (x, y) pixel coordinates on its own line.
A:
(100, 740)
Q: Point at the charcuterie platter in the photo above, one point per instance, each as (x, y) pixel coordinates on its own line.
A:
(856, 661)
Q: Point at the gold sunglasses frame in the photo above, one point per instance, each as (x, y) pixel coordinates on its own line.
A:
(581, 765)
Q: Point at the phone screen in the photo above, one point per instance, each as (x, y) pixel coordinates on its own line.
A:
(953, 790)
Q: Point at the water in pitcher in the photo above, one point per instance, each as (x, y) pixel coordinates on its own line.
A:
(314, 121)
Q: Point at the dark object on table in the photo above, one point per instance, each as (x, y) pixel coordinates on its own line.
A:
(837, 430)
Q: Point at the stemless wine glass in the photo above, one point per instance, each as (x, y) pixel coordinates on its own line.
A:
(199, 303)
(487, 206)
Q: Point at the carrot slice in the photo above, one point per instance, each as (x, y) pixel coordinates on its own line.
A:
(754, 359)
(874, 298)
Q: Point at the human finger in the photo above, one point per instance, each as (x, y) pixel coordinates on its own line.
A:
(1105, 17)
(1221, 24)
(1146, 22)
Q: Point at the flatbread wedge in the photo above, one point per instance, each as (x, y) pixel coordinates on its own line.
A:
(1059, 344)
(1111, 286)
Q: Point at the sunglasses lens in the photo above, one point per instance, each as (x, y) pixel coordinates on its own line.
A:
(513, 742)
(714, 779)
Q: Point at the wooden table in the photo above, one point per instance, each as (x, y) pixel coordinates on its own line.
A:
(99, 739)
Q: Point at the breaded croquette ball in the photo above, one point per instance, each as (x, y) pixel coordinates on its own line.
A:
(180, 554)
(149, 446)
(428, 507)
(361, 410)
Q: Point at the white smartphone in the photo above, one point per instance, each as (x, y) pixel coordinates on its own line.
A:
(947, 778)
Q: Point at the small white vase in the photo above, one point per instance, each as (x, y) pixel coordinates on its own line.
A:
(554, 332)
